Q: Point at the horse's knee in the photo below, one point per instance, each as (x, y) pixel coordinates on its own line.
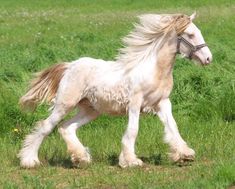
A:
(63, 131)
(43, 128)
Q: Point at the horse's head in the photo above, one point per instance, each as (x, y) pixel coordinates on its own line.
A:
(191, 44)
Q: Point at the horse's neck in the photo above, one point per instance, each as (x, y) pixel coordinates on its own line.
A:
(166, 59)
(159, 63)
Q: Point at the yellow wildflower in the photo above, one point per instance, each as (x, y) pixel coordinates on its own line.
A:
(16, 130)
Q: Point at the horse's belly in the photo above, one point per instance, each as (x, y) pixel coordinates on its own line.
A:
(110, 101)
(110, 107)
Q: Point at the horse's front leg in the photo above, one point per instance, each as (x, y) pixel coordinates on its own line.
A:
(127, 157)
(179, 149)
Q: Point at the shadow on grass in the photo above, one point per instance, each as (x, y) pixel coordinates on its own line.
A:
(65, 163)
(112, 160)
(155, 159)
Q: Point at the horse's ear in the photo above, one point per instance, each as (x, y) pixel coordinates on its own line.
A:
(193, 16)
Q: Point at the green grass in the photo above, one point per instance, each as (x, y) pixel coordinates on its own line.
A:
(36, 34)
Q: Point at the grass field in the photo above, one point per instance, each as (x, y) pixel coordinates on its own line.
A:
(36, 34)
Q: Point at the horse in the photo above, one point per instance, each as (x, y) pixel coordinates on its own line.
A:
(138, 81)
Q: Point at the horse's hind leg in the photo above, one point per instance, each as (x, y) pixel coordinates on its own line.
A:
(79, 154)
(29, 153)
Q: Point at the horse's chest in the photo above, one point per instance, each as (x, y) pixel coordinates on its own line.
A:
(160, 90)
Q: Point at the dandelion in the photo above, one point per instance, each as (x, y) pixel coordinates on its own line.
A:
(16, 130)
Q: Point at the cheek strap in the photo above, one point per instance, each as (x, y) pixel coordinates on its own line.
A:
(192, 47)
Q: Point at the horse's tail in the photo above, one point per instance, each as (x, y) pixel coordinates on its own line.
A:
(44, 87)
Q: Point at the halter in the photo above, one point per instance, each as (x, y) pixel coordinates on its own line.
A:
(193, 48)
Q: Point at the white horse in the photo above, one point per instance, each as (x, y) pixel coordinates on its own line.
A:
(140, 80)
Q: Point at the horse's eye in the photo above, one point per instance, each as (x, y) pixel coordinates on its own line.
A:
(191, 36)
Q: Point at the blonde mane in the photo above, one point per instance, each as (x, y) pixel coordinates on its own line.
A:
(149, 35)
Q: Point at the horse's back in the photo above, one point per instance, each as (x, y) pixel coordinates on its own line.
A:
(92, 62)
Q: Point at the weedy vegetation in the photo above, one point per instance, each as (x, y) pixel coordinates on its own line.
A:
(37, 34)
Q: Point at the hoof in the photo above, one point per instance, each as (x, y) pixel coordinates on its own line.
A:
(125, 162)
(186, 155)
(81, 161)
(28, 159)
(29, 163)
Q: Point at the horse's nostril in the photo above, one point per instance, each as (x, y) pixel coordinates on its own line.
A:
(208, 59)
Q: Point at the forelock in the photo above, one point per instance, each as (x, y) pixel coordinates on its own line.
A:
(181, 22)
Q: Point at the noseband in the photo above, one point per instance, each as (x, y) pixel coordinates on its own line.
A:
(192, 47)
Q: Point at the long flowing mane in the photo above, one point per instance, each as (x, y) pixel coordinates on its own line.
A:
(149, 35)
